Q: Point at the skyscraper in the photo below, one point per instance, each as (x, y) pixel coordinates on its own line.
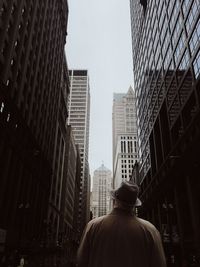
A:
(102, 181)
(125, 144)
(166, 57)
(32, 90)
(79, 119)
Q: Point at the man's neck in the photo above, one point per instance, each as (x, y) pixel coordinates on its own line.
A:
(123, 210)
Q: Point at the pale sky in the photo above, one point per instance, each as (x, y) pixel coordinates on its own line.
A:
(99, 39)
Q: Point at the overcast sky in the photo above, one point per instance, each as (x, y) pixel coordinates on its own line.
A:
(99, 39)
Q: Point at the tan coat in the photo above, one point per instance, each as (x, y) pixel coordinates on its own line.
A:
(120, 240)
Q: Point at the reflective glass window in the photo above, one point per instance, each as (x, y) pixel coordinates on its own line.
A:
(192, 15)
(185, 6)
(177, 29)
(164, 28)
(174, 14)
(196, 65)
(168, 57)
(161, 13)
(170, 7)
(179, 47)
(184, 61)
(195, 38)
(165, 42)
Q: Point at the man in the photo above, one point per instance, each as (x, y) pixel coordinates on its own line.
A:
(121, 239)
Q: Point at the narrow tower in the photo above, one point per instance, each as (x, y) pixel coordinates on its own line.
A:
(125, 143)
(79, 119)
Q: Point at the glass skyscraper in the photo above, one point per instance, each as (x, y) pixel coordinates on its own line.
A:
(166, 60)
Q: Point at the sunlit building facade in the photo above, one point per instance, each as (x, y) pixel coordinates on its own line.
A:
(125, 143)
(79, 119)
(101, 198)
(166, 60)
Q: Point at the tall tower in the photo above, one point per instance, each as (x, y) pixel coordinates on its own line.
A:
(166, 60)
(125, 144)
(101, 191)
(32, 87)
(79, 119)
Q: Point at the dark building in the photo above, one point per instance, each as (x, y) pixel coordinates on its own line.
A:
(32, 39)
(77, 230)
(166, 59)
(67, 228)
(56, 232)
(77, 198)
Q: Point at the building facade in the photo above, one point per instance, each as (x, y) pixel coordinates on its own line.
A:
(166, 60)
(32, 39)
(125, 143)
(102, 181)
(79, 119)
(68, 228)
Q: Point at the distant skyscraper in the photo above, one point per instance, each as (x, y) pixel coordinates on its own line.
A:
(101, 191)
(79, 119)
(166, 61)
(125, 147)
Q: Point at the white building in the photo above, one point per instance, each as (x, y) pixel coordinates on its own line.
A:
(79, 119)
(101, 191)
(125, 142)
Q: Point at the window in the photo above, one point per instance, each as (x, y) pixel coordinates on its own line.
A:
(167, 57)
(196, 65)
(184, 62)
(177, 30)
(8, 117)
(195, 38)
(185, 6)
(179, 48)
(192, 16)
(2, 107)
(174, 14)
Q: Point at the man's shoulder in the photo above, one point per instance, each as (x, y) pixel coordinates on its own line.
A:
(147, 225)
(97, 220)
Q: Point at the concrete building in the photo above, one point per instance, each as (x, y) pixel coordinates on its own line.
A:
(102, 181)
(79, 119)
(166, 60)
(125, 143)
(32, 39)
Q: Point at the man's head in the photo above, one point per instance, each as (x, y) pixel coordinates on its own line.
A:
(126, 196)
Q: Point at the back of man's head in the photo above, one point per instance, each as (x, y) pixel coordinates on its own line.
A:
(121, 205)
(126, 195)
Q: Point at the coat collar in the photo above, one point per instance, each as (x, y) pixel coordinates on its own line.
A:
(122, 212)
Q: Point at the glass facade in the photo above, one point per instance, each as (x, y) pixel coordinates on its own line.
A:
(166, 60)
(165, 51)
